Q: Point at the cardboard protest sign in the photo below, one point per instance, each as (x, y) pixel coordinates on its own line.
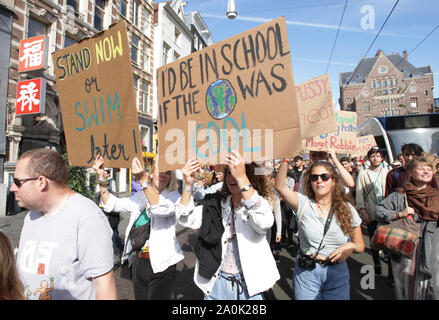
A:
(95, 84)
(316, 107)
(364, 144)
(237, 94)
(343, 140)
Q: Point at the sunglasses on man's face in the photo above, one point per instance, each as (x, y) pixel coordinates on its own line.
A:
(19, 182)
(324, 176)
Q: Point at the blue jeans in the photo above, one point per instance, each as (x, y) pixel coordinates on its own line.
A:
(224, 289)
(322, 283)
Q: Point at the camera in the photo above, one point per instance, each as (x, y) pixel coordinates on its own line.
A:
(306, 262)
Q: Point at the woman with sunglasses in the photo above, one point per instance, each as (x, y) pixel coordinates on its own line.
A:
(234, 260)
(329, 232)
(151, 246)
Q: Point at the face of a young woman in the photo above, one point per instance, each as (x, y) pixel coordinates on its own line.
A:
(232, 184)
(422, 173)
(320, 187)
(219, 176)
(161, 180)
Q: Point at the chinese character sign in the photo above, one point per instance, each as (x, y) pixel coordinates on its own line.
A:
(31, 95)
(33, 53)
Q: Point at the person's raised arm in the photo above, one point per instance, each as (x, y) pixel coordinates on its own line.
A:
(287, 194)
(189, 170)
(346, 177)
(98, 167)
(151, 192)
(236, 165)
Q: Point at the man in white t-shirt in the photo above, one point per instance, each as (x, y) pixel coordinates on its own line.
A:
(65, 250)
(370, 189)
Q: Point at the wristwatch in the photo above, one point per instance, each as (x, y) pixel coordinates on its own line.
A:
(144, 185)
(246, 188)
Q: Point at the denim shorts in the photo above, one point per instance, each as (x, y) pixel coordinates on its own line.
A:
(225, 289)
(322, 283)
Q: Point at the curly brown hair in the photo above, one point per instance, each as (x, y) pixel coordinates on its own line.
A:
(259, 182)
(339, 198)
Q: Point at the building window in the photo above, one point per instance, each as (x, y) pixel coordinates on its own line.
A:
(348, 100)
(382, 69)
(177, 37)
(123, 8)
(144, 96)
(136, 6)
(36, 28)
(69, 41)
(176, 56)
(146, 22)
(165, 53)
(99, 14)
(366, 106)
(394, 81)
(414, 102)
(372, 84)
(146, 59)
(72, 6)
(378, 83)
(136, 89)
(134, 48)
(413, 89)
(145, 138)
(426, 92)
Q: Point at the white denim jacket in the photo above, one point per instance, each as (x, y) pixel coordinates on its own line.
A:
(164, 248)
(253, 218)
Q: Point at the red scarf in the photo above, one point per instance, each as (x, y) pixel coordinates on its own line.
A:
(424, 201)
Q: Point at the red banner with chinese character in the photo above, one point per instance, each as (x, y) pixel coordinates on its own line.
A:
(33, 54)
(31, 96)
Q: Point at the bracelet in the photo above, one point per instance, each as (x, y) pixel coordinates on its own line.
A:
(104, 183)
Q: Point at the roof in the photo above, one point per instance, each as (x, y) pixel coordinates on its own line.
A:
(365, 66)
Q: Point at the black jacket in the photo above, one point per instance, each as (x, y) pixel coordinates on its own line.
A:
(208, 248)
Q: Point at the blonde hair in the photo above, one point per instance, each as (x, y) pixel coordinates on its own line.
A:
(11, 287)
(173, 182)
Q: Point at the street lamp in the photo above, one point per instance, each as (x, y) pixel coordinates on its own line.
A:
(231, 9)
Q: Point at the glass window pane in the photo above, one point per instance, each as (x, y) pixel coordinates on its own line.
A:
(69, 42)
(36, 28)
(123, 8)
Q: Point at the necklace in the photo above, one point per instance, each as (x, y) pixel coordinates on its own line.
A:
(324, 209)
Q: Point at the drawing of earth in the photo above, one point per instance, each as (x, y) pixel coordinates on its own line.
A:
(220, 99)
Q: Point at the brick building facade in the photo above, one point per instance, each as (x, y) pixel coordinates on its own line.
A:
(386, 82)
(64, 23)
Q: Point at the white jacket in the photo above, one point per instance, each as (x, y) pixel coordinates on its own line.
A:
(164, 248)
(253, 218)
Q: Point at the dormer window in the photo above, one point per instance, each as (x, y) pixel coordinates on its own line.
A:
(382, 69)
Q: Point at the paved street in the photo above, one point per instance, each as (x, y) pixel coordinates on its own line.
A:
(185, 288)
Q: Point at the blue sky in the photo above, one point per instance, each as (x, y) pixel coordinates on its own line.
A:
(312, 26)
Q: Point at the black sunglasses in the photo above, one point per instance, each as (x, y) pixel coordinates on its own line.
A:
(324, 176)
(19, 182)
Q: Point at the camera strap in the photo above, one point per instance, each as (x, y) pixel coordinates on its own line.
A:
(327, 224)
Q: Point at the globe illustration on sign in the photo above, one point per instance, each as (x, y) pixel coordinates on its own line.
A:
(220, 99)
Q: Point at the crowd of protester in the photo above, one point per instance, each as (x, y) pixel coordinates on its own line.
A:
(244, 215)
